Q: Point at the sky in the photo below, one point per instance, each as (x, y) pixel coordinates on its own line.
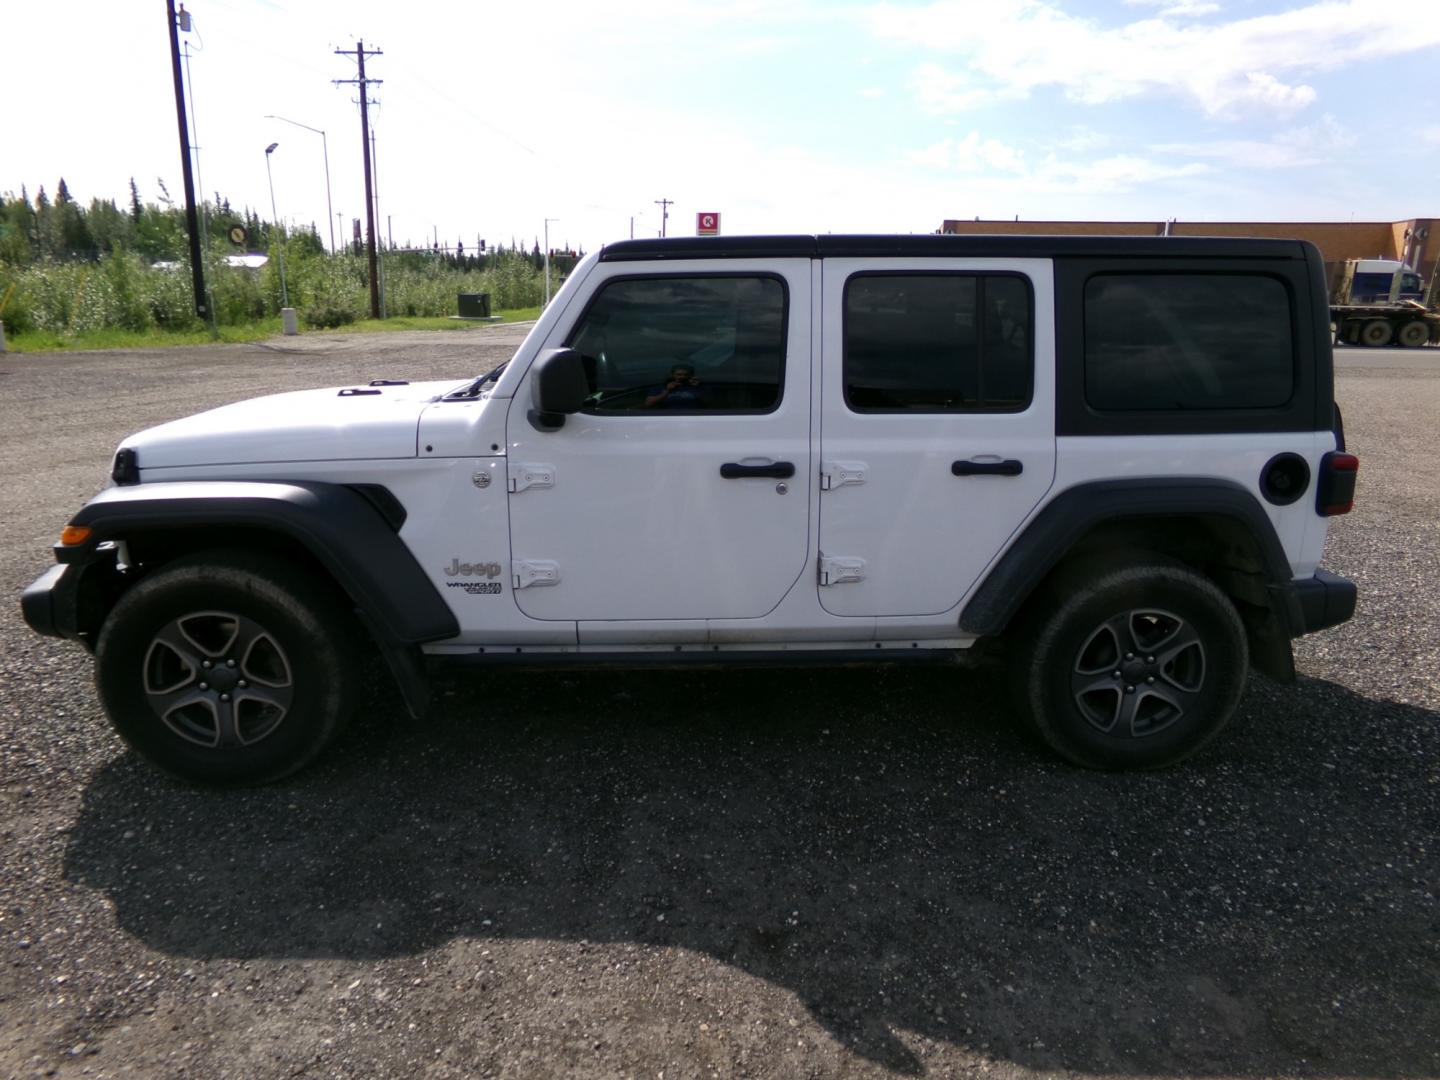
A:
(780, 116)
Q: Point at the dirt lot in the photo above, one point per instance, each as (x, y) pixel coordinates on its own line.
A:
(767, 874)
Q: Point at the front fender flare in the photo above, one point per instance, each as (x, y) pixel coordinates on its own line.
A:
(344, 530)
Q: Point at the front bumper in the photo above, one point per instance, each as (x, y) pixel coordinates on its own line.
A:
(70, 599)
(50, 603)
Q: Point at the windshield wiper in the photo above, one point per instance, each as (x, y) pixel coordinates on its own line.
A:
(473, 388)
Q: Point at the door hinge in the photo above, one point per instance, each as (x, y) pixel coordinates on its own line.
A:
(528, 572)
(834, 474)
(835, 570)
(528, 476)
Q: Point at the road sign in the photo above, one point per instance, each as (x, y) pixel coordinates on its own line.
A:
(707, 224)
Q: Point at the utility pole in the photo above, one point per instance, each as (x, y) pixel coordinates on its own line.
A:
(364, 84)
(664, 205)
(548, 220)
(192, 221)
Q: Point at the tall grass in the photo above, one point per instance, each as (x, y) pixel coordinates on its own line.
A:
(120, 292)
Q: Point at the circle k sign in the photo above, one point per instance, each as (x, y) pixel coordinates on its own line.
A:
(707, 224)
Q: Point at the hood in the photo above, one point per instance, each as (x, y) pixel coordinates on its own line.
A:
(336, 424)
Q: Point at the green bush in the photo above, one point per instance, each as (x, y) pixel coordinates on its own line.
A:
(170, 298)
(236, 293)
(15, 311)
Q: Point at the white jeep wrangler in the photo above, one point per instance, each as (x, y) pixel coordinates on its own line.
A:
(1115, 454)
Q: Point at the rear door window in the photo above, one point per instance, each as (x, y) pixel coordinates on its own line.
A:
(917, 342)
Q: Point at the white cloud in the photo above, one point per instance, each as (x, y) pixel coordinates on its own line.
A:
(944, 93)
(1011, 48)
(995, 167)
(1112, 175)
(1297, 148)
(1082, 140)
(1192, 9)
(870, 93)
(1431, 134)
(971, 154)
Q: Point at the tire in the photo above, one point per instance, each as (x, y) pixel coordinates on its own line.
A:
(1133, 667)
(1376, 332)
(1413, 333)
(272, 648)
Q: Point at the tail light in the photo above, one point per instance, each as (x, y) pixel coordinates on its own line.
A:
(1335, 493)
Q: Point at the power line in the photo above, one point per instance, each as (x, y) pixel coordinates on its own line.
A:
(664, 205)
(359, 53)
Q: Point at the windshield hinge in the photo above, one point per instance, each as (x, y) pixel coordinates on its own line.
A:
(524, 476)
(526, 573)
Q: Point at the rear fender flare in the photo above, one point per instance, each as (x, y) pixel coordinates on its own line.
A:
(1065, 521)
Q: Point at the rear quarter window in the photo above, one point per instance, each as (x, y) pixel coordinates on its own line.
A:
(1178, 342)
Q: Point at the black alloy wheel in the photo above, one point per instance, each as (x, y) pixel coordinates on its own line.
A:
(228, 667)
(1132, 667)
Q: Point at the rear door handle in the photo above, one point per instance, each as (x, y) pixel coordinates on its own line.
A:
(778, 470)
(1009, 467)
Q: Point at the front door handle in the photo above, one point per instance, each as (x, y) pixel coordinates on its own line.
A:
(777, 470)
(1009, 467)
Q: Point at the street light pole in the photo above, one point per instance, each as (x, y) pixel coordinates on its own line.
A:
(275, 217)
(324, 149)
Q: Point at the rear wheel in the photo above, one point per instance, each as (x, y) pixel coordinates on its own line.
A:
(1376, 332)
(228, 668)
(1413, 333)
(1132, 667)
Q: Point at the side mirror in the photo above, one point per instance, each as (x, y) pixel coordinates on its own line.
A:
(557, 387)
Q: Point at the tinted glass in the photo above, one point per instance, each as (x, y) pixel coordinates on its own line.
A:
(1187, 341)
(685, 344)
(1367, 288)
(937, 343)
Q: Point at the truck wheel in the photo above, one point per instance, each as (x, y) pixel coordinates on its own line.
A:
(1413, 333)
(228, 668)
(1137, 668)
(1376, 332)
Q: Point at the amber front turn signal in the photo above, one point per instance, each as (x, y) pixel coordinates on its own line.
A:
(72, 535)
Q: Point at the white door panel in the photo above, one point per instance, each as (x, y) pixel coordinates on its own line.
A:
(637, 519)
(892, 498)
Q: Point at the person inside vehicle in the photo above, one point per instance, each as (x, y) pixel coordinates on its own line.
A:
(681, 390)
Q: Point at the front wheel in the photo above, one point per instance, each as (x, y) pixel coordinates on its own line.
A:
(229, 668)
(1132, 667)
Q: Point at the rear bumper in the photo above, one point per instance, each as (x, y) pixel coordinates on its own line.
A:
(1321, 601)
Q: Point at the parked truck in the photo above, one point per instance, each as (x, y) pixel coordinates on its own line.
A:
(1381, 302)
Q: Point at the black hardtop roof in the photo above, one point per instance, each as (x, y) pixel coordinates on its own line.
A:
(951, 245)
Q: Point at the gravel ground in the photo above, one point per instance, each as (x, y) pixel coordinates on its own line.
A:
(768, 874)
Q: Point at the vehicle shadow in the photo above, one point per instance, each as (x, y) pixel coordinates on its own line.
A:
(882, 844)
